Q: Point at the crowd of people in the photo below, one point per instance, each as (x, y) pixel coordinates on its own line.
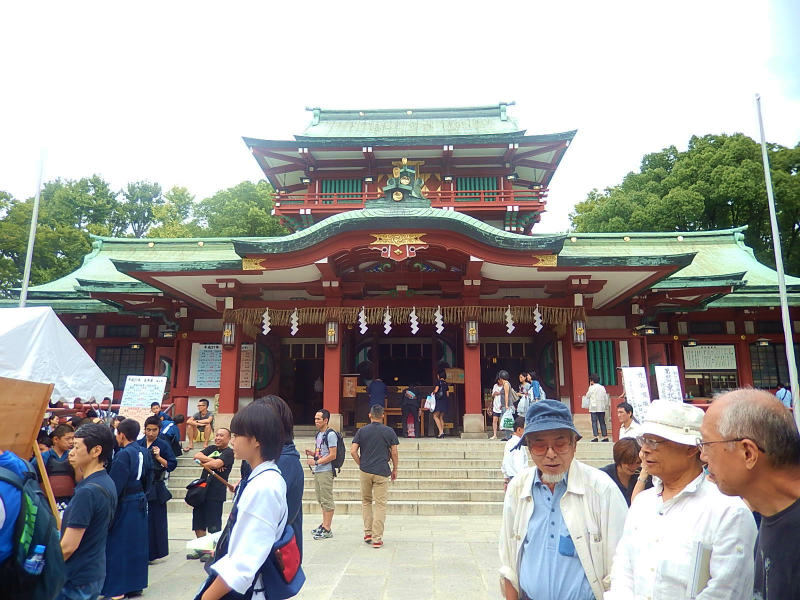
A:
(675, 516)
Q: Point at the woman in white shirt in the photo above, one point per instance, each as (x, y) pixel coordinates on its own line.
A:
(598, 405)
(260, 504)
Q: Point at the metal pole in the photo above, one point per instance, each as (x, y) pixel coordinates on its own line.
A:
(776, 244)
(23, 294)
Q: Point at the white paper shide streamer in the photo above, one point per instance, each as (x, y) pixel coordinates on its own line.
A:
(294, 320)
(362, 321)
(266, 325)
(509, 320)
(387, 321)
(414, 320)
(438, 320)
(537, 320)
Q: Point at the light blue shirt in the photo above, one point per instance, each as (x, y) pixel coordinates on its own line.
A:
(784, 396)
(549, 566)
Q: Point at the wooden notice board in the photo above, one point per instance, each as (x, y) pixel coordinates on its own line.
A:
(22, 404)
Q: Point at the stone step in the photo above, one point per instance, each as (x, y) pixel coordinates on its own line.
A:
(405, 481)
(405, 495)
(311, 510)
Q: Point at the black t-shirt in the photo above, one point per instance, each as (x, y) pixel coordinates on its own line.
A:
(777, 559)
(216, 490)
(91, 508)
(375, 440)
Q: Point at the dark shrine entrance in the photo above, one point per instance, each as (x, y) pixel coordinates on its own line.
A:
(301, 377)
(518, 354)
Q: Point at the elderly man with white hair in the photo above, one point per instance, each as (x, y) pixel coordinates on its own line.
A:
(561, 518)
(683, 538)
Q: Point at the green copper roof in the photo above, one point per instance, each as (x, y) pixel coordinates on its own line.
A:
(381, 217)
(719, 254)
(411, 122)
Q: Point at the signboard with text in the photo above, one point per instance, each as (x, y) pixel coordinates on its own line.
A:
(710, 357)
(637, 394)
(139, 393)
(668, 379)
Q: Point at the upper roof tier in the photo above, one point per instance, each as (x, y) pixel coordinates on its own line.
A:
(414, 122)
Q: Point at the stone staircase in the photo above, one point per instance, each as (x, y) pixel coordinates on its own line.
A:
(436, 477)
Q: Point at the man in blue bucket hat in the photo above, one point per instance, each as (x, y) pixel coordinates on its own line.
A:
(562, 519)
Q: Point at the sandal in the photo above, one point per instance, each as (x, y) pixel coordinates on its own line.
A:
(185, 449)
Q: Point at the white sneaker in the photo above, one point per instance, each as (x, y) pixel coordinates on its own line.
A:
(494, 437)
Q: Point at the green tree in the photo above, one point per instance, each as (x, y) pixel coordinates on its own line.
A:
(242, 210)
(717, 183)
(174, 218)
(137, 212)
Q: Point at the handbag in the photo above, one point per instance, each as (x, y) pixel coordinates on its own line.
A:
(430, 403)
(507, 422)
(585, 402)
(196, 493)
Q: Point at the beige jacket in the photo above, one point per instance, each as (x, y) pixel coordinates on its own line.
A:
(593, 510)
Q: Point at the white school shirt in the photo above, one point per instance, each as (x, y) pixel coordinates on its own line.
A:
(629, 432)
(259, 524)
(497, 398)
(514, 460)
(657, 555)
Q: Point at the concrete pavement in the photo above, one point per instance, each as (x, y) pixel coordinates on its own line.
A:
(423, 557)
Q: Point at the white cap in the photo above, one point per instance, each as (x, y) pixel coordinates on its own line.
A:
(674, 421)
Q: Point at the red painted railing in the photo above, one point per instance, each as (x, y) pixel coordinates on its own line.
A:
(486, 199)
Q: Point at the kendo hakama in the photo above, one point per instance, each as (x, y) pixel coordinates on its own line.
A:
(127, 545)
(157, 497)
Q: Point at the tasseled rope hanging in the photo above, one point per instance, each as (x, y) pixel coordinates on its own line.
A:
(251, 318)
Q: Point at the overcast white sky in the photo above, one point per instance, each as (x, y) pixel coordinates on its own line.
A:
(164, 91)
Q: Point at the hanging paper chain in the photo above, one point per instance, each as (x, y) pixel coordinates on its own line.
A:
(537, 320)
(438, 320)
(509, 320)
(294, 320)
(265, 329)
(414, 320)
(387, 321)
(362, 321)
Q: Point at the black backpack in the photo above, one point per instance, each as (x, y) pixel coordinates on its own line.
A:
(35, 526)
(337, 462)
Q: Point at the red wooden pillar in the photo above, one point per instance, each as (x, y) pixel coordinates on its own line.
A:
(332, 387)
(635, 358)
(473, 398)
(744, 363)
(579, 373)
(229, 380)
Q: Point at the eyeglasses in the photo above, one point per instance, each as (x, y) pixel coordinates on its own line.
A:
(559, 446)
(701, 444)
(649, 442)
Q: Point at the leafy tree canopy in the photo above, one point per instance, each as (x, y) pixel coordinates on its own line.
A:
(717, 183)
(70, 210)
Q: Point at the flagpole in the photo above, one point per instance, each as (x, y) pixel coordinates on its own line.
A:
(776, 244)
(23, 294)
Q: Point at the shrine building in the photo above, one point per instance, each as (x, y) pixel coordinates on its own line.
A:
(413, 249)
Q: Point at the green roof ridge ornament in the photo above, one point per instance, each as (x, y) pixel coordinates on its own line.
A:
(403, 189)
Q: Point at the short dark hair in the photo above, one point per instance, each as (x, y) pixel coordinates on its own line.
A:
(442, 374)
(519, 422)
(130, 429)
(262, 422)
(279, 405)
(203, 401)
(45, 439)
(158, 404)
(95, 434)
(626, 407)
(62, 430)
(154, 420)
(91, 414)
(626, 451)
(533, 374)
(594, 378)
(326, 414)
(118, 418)
(376, 411)
(75, 421)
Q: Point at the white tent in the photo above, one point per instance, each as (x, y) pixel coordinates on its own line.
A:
(36, 346)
